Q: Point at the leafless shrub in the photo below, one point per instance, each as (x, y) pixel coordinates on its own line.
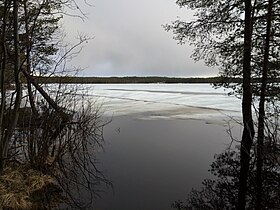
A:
(65, 151)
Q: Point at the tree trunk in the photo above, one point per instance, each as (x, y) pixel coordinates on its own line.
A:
(65, 117)
(28, 60)
(248, 130)
(260, 140)
(2, 81)
(12, 122)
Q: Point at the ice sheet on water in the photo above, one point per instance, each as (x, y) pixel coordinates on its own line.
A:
(165, 100)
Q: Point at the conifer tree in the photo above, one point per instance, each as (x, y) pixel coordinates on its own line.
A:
(242, 39)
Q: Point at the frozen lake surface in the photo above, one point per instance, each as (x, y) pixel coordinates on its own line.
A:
(177, 101)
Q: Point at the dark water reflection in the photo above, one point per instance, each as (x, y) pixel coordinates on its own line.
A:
(155, 162)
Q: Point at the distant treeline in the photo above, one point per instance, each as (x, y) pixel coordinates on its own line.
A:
(105, 80)
(119, 80)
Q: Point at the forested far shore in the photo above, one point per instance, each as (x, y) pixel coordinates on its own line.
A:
(135, 79)
(132, 79)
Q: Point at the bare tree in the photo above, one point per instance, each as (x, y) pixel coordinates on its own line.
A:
(48, 131)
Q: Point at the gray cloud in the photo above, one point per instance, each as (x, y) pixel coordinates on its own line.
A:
(130, 40)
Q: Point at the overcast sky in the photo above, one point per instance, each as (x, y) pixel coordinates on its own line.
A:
(129, 40)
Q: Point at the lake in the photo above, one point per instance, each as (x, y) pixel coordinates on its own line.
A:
(161, 140)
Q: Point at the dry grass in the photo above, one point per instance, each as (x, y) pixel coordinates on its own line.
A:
(22, 188)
